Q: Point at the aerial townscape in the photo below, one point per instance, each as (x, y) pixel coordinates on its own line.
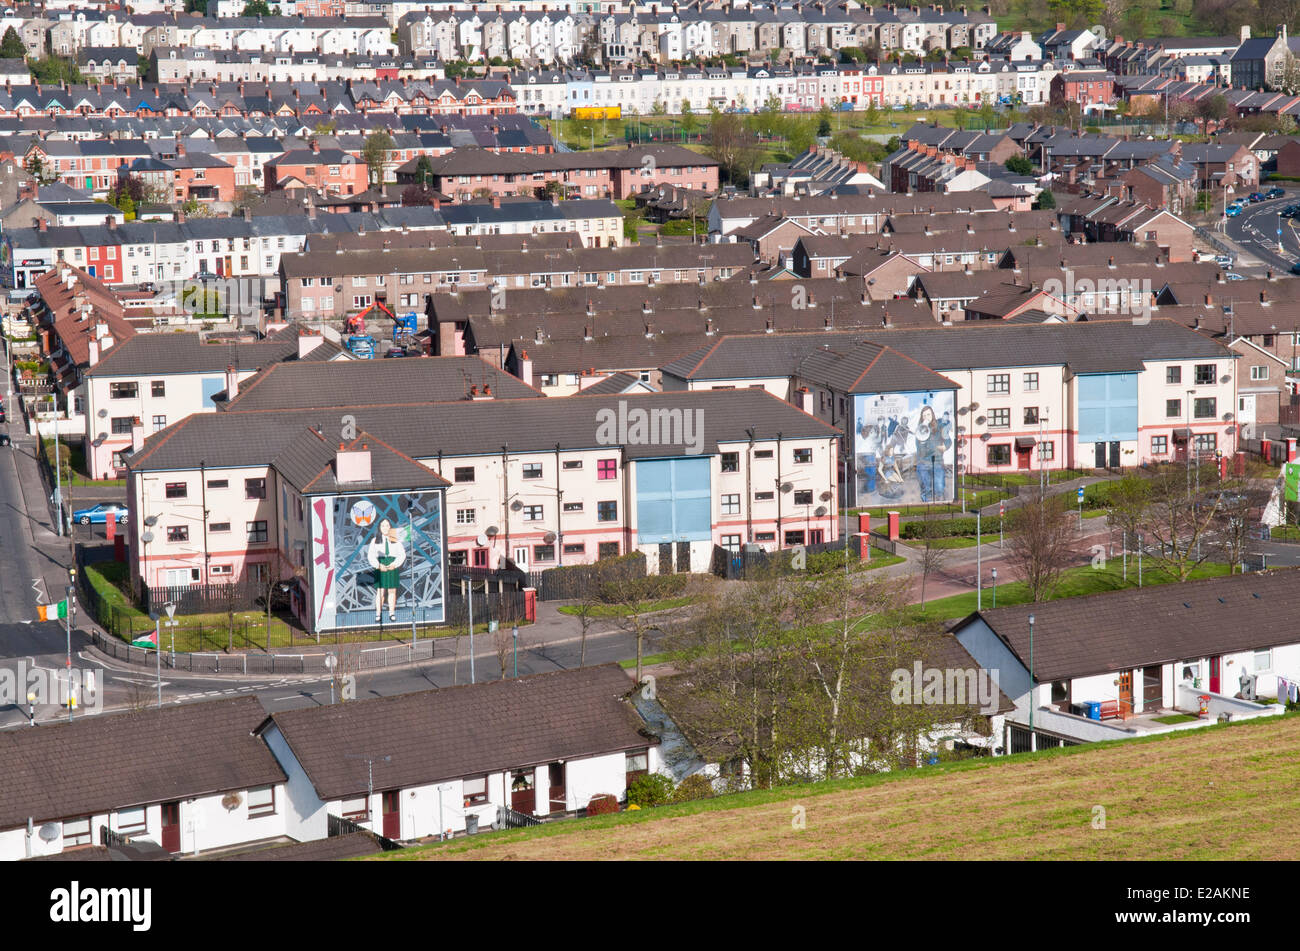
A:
(444, 429)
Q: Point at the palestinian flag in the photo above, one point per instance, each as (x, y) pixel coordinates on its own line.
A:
(149, 640)
(52, 612)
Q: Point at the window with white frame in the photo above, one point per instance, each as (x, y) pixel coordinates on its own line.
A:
(261, 802)
(76, 832)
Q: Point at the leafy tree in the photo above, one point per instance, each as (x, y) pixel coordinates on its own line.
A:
(127, 207)
(256, 8)
(417, 195)
(1045, 201)
(423, 171)
(11, 47)
(375, 153)
(54, 70)
(824, 117)
(1019, 165)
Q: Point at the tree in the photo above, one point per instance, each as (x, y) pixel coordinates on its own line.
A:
(127, 207)
(375, 154)
(824, 117)
(423, 171)
(11, 47)
(1045, 200)
(1231, 527)
(733, 146)
(1214, 109)
(1128, 505)
(1179, 520)
(1019, 165)
(55, 70)
(413, 195)
(585, 611)
(552, 189)
(933, 555)
(256, 8)
(1038, 544)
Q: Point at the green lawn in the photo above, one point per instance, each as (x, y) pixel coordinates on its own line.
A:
(1174, 718)
(623, 610)
(956, 541)
(1075, 582)
(1285, 533)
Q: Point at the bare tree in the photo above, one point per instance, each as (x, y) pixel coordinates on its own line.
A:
(501, 643)
(1129, 503)
(933, 557)
(1038, 544)
(1236, 505)
(1179, 522)
(585, 611)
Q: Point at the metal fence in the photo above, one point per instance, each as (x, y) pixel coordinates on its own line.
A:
(337, 826)
(574, 582)
(756, 562)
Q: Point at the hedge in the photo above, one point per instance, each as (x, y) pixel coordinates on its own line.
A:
(941, 527)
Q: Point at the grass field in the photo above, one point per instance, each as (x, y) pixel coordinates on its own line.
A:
(1220, 793)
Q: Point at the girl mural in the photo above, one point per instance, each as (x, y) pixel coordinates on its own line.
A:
(932, 442)
(386, 555)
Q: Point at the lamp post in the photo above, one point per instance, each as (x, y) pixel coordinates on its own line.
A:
(1031, 682)
(31, 709)
(171, 623)
(157, 647)
(979, 568)
(58, 473)
(514, 635)
(330, 663)
(995, 587)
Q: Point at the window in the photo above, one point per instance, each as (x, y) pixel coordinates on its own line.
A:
(731, 542)
(550, 379)
(1159, 445)
(218, 483)
(1046, 451)
(131, 820)
(999, 382)
(1173, 374)
(178, 533)
(254, 488)
(177, 490)
(731, 462)
(573, 506)
(1259, 373)
(1000, 455)
(1205, 442)
(543, 553)
(465, 516)
(475, 790)
(1031, 415)
(1204, 374)
(606, 550)
(256, 531)
(221, 569)
(464, 474)
(1031, 382)
(219, 527)
(261, 802)
(123, 391)
(1263, 661)
(532, 470)
(802, 456)
(794, 538)
(1205, 407)
(763, 454)
(607, 469)
(159, 388)
(803, 497)
(458, 557)
(1173, 408)
(532, 513)
(731, 504)
(122, 425)
(356, 809)
(999, 418)
(571, 464)
(76, 832)
(159, 423)
(764, 496)
(637, 764)
(606, 511)
(575, 549)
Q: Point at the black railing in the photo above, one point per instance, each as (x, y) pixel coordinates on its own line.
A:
(107, 837)
(507, 818)
(337, 825)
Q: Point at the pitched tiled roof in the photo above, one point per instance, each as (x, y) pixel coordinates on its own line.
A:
(439, 735)
(98, 764)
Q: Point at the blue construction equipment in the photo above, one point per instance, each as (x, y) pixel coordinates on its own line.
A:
(362, 346)
(404, 325)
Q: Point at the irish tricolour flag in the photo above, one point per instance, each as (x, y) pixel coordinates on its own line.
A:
(52, 612)
(146, 640)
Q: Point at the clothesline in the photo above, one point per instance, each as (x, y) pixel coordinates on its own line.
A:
(1288, 690)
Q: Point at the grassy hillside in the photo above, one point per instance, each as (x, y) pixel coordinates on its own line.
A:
(1224, 792)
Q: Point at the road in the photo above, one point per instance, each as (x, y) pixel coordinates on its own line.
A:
(1255, 229)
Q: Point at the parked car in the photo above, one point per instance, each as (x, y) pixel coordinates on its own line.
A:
(1289, 211)
(1233, 276)
(5, 441)
(395, 352)
(98, 514)
(2, 414)
(1232, 211)
(1295, 268)
(1223, 260)
(1256, 197)
(1275, 192)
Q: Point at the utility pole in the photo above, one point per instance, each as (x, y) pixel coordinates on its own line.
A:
(58, 467)
(979, 567)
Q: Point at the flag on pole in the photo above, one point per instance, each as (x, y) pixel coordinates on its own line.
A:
(149, 640)
(52, 612)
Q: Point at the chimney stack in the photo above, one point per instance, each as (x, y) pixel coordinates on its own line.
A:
(232, 383)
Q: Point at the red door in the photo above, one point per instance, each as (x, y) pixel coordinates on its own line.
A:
(1214, 674)
(1022, 458)
(392, 804)
(523, 796)
(171, 826)
(559, 798)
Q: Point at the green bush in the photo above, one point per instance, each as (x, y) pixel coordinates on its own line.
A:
(652, 789)
(695, 786)
(939, 527)
(602, 805)
(649, 588)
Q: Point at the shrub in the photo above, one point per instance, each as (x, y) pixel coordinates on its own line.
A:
(602, 804)
(652, 789)
(695, 786)
(939, 528)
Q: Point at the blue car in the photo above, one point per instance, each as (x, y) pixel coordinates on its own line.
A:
(1232, 211)
(98, 514)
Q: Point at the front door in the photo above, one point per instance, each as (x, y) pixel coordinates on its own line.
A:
(1215, 663)
(171, 826)
(559, 797)
(1246, 409)
(523, 797)
(1153, 693)
(521, 559)
(392, 806)
(1114, 455)
(1126, 693)
(1099, 458)
(665, 558)
(1023, 458)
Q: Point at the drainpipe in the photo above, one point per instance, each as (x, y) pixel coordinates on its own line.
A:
(505, 482)
(780, 543)
(749, 492)
(559, 511)
(203, 490)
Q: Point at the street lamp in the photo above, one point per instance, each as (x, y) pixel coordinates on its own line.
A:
(1031, 681)
(514, 634)
(157, 648)
(330, 663)
(995, 587)
(31, 709)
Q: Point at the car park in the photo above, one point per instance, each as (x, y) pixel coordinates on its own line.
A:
(98, 514)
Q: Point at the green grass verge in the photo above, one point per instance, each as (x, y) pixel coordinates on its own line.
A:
(956, 541)
(1174, 718)
(623, 610)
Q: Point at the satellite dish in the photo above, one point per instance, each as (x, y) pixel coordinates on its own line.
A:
(787, 487)
(1226, 378)
(49, 832)
(820, 511)
(548, 537)
(979, 421)
(103, 413)
(147, 537)
(151, 521)
(516, 505)
(826, 496)
(491, 531)
(482, 540)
